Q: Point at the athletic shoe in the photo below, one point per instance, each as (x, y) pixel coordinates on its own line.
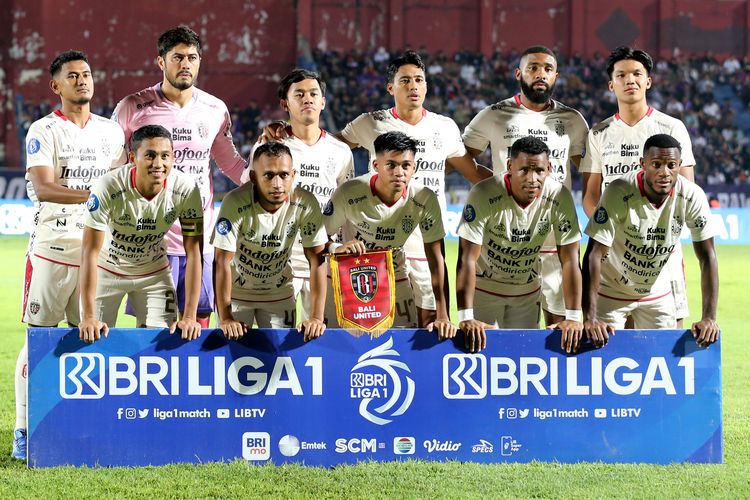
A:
(19, 444)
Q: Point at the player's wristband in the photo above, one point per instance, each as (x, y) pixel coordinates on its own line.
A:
(334, 246)
(574, 315)
(465, 315)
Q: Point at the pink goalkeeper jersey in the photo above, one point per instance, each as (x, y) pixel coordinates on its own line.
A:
(201, 131)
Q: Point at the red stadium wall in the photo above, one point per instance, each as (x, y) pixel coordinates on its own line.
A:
(250, 43)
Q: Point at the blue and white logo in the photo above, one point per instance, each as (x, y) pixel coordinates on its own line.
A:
(328, 209)
(223, 226)
(464, 376)
(388, 382)
(33, 146)
(93, 203)
(601, 216)
(469, 213)
(82, 376)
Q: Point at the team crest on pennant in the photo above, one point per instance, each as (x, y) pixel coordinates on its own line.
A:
(364, 291)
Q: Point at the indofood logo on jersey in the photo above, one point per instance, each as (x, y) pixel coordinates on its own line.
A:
(382, 384)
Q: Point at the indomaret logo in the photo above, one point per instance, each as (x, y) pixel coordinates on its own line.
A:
(377, 377)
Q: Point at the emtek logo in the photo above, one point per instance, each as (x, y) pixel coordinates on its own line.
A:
(464, 376)
(256, 446)
(82, 376)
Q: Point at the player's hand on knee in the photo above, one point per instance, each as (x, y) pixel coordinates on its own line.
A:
(233, 329)
(91, 330)
(475, 334)
(572, 331)
(189, 327)
(274, 131)
(705, 332)
(443, 327)
(598, 332)
(312, 328)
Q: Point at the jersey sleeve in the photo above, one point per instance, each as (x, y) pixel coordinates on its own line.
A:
(355, 131)
(119, 153)
(225, 153)
(476, 134)
(473, 217)
(98, 207)
(578, 136)
(312, 230)
(431, 224)
(334, 213)
(455, 147)
(698, 217)
(40, 147)
(591, 161)
(123, 116)
(679, 132)
(347, 171)
(603, 223)
(565, 219)
(227, 225)
(191, 213)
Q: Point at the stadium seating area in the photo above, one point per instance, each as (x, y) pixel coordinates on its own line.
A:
(711, 97)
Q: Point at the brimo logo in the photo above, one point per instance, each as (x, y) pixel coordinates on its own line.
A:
(77, 380)
(461, 383)
(371, 387)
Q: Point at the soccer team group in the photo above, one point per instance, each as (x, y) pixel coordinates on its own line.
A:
(125, 207)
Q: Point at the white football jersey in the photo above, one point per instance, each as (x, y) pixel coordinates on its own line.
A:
(262, 241)
(614, 148)
(321, 168)
(562, 128)
(641, 237)
(135, 227)
(511, 236)
(78, 157)
(438, 137)
(357, 210)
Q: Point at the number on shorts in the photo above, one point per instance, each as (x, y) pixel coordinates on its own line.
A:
(403, 310)
(289, 318)
(169, 304)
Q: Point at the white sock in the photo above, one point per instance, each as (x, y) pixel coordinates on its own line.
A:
(21, 387)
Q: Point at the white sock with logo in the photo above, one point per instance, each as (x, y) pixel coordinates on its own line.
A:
(21, 387)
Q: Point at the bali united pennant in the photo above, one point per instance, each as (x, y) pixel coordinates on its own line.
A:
(364, 289)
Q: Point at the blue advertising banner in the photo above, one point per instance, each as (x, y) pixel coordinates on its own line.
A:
(144, 397)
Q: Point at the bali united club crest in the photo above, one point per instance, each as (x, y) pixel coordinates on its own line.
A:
(559, 128)
(407, 224)
(203, 130)
(364, 282)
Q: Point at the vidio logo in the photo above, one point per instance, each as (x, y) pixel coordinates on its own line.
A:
(378, 377)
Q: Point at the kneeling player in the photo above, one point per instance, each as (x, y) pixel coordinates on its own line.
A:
(505, 222)
(257, 226)
(634, 230)
(381, 211)
(129, 212)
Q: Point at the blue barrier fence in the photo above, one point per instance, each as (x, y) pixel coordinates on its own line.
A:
(143, 397)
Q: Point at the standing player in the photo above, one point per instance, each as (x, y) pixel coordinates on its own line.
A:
(533, 112)
(614, 145)
(505, 222)
(439, 151)
(258, 225)
(633, 231)
(321, 161)
(66, 151)
(383, 210)
(130, 211)
(201, 131)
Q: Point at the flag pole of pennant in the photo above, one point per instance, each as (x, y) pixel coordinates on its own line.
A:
(364, 290)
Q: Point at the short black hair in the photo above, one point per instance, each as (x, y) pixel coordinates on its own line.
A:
(148, 132)
(408, 57)
(661, 141)
(530, 145)
(172, 38)
(271, 149)
(395, 141)
(296, 76)
(623, 53)
(537, 49)
(64, 57)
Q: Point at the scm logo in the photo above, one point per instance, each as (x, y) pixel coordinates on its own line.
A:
(82, 376)
(356, 445)
(256, 446)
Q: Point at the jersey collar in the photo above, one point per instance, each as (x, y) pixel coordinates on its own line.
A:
(394, 113)
(648, 113)
(550, 104)
(374, 193)
(291, 134)
(64, 118)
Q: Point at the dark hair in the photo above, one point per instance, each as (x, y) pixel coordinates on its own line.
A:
(296, 76)
(148, 132)
(181, 34)
(661, 141)
(530, 145)
(408, 57)
(624, 53)
(63, 57)
(537, 49)
(271, 149)
(395, 141)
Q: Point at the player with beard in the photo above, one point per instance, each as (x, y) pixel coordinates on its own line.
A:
(66, 151)
(201, 131)
(533, 112)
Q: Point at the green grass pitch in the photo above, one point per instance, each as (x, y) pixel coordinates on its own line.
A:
(409, 479)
